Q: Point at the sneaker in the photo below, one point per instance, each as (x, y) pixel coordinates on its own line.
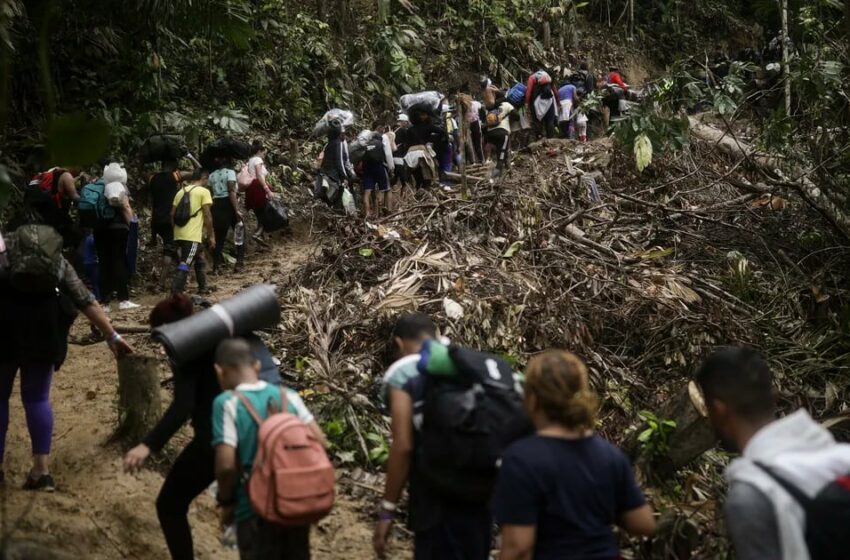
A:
(44, 483)
(127, 304)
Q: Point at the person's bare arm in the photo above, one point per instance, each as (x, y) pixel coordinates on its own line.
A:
(639, 522)
(68, 187)
(398, 464)
(208, 225)
(227, 476)
(401, 447)
(94, 313)
(173, 209)
(518, 542)
(234, 201)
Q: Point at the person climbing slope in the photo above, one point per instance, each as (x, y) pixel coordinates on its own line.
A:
(335, 168)
(162, 188)
(541, 102)
(189, 234)
(542, 510)
(225, 212)
(253, 182)
(499, 133)
(235, 439)
(40, 294)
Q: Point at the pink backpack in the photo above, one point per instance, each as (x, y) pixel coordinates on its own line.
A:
(292, 480)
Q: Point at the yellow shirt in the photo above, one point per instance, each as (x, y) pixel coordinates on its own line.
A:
(194, 229)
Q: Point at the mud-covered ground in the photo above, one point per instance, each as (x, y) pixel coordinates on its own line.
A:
(97, 511)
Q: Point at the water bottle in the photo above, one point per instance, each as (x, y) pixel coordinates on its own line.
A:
(228, 537)
(239, 234)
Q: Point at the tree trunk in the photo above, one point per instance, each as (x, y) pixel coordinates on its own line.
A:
(783, 6)
(816, 197)
(547, 35)
(138, 396)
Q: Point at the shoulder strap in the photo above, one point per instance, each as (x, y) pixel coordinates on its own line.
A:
(284, 405)
(795, 492)
(249, 407)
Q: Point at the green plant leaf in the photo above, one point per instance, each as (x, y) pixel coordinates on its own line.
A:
(515, 246)
(645, 435)
(76, 140)
(643, 151)
(366, 252)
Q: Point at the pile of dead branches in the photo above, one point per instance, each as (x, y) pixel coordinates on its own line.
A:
(639, 274)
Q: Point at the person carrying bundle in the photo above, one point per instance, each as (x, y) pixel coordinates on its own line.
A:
(541, 101)
(420, 156)
(335, 167)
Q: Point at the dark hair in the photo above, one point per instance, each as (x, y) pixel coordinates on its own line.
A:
(257, 146)
(558, 381)
(414, 325)
(235, 353)
(741, 378)
(171, 310)
(200, 173)
(583, 65)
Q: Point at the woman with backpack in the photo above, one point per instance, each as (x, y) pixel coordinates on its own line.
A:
(499, 132)
(565, 487)
(40, 294)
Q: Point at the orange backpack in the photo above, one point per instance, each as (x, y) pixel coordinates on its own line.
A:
(292, 480)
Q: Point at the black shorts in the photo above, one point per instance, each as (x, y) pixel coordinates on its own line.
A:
(190, 252)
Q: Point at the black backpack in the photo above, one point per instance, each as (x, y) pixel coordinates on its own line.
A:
(468, 421)
(375, 150)
(827, 514)
(183, 212)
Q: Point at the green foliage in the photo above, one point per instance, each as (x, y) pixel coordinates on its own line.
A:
(655, 437)
(379, 450)
(646, 131)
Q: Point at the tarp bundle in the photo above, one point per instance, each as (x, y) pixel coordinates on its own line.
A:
(427, 101)
(226, 147)
(162, 147)
(345, 117)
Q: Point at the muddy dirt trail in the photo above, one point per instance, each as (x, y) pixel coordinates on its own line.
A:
(97, 511)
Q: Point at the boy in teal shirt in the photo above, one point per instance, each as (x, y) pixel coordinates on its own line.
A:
(235, 442)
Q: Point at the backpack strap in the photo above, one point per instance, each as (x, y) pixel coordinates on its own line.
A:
(798, 495)
(249, 407)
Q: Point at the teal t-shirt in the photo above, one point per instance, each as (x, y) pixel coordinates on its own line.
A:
(233, 426)
(218, 182)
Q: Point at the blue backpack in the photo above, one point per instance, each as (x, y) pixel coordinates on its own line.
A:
(516, 95)
(94, 208)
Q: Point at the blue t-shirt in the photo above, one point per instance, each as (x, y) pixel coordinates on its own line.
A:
(567, 91)
(218, 182)
(573, 491)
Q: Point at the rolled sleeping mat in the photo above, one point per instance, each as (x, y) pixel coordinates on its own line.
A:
(252, 309)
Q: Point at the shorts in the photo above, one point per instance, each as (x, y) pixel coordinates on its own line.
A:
(165, 231)
(189, 252)
(375, 175)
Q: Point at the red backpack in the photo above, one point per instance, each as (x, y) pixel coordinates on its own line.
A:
(292, 480)
(48, 183)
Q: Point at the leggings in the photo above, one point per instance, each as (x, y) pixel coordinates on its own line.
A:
(224, 218)
(35, 393)
(111, 247)
(191, 474)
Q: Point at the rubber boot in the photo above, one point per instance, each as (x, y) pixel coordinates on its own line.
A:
(201, 277)
(180, 279)
(240, 257)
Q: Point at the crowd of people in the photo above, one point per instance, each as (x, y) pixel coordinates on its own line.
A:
(491, 458)
(426, 144)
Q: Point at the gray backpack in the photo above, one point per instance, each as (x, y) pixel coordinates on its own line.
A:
(35, 258)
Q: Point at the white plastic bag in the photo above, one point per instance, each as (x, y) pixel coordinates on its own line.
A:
(348, 202)
(427, 100)
(115, 193)
(344, 116)
(115, 173)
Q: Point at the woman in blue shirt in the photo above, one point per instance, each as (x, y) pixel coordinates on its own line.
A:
(561, 490)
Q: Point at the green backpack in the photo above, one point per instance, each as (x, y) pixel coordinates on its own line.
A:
(35, 259)
(94, 208)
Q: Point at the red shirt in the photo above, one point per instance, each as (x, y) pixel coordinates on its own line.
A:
(616, 79)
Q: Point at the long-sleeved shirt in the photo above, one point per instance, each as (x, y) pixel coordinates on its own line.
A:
(534, 89)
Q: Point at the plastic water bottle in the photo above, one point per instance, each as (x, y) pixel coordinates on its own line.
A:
(228, 537)
(239, 234)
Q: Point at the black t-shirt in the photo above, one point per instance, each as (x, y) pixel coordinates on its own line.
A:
(163, 189)
(573, 491)
(402, 142)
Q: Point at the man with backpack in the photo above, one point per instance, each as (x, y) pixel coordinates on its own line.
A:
(427, 391)
(499, 132)
(162, 188)
(239, 442)
(789, 491)
(191, 215)
(541, 101)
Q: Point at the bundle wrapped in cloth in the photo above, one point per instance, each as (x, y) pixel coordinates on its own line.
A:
(345, 118)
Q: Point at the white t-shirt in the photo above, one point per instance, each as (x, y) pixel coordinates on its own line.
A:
(255, 166)
(472, 114)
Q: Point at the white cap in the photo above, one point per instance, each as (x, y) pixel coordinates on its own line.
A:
(402, 117)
